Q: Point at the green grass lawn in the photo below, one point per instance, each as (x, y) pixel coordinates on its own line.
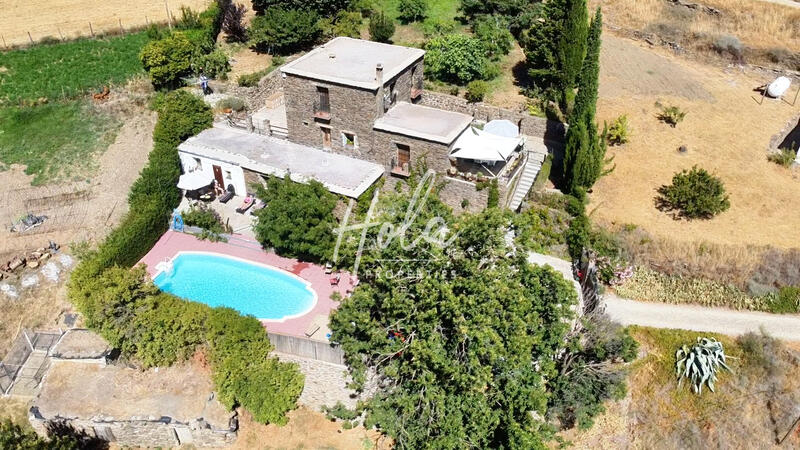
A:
(55, 140)
(65, 70)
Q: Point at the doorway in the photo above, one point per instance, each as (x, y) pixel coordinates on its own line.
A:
(218, 176)
(326, 138)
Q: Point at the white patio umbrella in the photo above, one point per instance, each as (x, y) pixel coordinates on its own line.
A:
(477, 145)
(194, 180)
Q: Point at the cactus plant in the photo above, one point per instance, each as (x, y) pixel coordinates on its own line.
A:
(700, 363)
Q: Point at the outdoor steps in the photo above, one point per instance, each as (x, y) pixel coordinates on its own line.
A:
(532, 166)
(278, 131)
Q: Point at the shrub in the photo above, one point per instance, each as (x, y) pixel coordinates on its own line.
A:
(729, 44)
(786, 301)
(694, 194)
(476, 90)
(201, 215)
(168, 60)
(577, 235)
(671, 115)
(493, 197)
(348, 24)
(412, 10)
(784, 157)
(381, 28)
(284, 31)
(213, 65)
(298, 219)
(493, 32)
(434, 26)
(324, 8)
(617, 133)
(232, 23)
(456, 58)
(232, 103)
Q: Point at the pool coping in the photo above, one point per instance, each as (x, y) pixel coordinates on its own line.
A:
(307, 283)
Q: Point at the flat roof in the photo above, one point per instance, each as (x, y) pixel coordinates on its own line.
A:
(269, 155)
(352, 62)
(423, 122)
(182, 393)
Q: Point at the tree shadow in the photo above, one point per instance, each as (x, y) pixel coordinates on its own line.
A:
(62, 431)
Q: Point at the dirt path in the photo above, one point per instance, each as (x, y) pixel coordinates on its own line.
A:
(698, 318)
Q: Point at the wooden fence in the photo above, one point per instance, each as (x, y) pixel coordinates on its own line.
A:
(307, 348)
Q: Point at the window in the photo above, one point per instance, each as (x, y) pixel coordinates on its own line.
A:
(198, 164)
(322, 105)
(402, 162)
(326, 137)
(227, 174)
(349, 140)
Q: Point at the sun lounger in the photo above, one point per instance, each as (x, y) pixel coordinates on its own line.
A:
(335, 280)
(228, 195)
(248, 202)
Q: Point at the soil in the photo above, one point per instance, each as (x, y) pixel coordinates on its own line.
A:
(71, 18)
(726, 130)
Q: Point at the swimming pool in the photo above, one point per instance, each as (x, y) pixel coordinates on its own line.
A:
(250, 288)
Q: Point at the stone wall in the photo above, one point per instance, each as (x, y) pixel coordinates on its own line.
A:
(529, 125)
(454, 192)
(147, 432)
(255, 97)
(325, 383)
(436, 155)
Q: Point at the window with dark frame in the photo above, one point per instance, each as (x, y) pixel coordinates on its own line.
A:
(322, 105)
(349, 140)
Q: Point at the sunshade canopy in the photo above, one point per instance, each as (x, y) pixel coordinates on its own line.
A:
(501, 127)
(479, 145)
(194, 180)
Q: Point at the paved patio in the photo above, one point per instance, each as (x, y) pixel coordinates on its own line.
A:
(173, 242)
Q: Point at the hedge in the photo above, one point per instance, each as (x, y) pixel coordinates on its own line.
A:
(157, 328)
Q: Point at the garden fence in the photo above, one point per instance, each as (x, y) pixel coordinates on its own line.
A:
(307, 348)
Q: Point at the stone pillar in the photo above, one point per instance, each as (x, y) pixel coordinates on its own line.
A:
(250, 126)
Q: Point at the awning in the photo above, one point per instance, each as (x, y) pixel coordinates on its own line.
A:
(478, 145)
(194, 180)
(501, 127)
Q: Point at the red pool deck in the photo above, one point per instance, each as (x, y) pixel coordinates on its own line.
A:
(173, 242)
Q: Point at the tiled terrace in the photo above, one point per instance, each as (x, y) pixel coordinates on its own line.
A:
(173, 242)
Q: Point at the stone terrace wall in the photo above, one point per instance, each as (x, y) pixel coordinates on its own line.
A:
(788, 135)
(325, 383)
(255, 97)
(529, 125)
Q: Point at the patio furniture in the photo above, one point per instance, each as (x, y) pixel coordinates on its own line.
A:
(335, 280)
(228, 195)
(328, 268)
(248, 202)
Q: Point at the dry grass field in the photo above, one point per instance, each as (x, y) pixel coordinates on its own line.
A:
(726, 132)
(43, 18)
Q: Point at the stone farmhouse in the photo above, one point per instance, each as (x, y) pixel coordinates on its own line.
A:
(352, 111)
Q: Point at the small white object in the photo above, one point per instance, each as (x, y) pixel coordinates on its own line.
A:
(51, 271)
(778, 87)
(29, 281)
(65, 260)
(9, 290)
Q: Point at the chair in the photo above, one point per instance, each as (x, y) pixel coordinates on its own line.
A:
(248, 202)
(228, 195)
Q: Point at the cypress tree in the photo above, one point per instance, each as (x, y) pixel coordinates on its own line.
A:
(572, 45)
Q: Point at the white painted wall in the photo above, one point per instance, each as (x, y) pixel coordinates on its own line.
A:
(233, 174)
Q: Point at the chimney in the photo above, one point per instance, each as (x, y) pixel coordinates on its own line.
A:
(379, 79)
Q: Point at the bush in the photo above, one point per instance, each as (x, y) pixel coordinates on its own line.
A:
(348, 24)
(284, 31)
(671, 115)
(298, 219)
(232, 23)
(201, 215)
(694, 194)
(324, 8)
(617, 133)
(493, 32)
(577, 235)
(729, 44)
(434, 26)
(168, 60)
(381, 28)
(232, 103)
(786, 301)
(456, 58)
(213, 65)
(412, 10)
(784, 157)
(493, 197)
(476, 90)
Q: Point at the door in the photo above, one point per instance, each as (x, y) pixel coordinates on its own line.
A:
(218, 177)
(403, 157)
(326, 137)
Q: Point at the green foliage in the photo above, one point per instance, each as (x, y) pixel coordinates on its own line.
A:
(340, 411)
(466, 338)
(544, 173)
(700, 363)
(252, 79)
(493, 32)
(232, 103)
(284, 31)
(348, 24)
(324, 8)
(212, 65)
(577, 235)
(572, 46)
(298, 219)
(784, 157)
(68, 69)
(412, 10)
(617, 133)
(508, 9)
(55, 140)
(189, 19)
(381, 28)
(456, 58)
(201, 215)
(549, 48)
(671, 115)
(476, 90)
(694, 194)
(539, 228)
(433, 26)
(168, 60)
(786, 301)
(493, 198)
(60, 437)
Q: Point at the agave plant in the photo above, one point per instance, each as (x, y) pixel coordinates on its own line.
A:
(700, 363)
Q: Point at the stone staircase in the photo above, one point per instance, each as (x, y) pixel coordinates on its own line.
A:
(279, 131)
(537, 152)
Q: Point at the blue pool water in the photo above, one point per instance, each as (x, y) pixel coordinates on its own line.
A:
(217, 280)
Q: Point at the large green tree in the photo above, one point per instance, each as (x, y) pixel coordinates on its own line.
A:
(572, 43)
(325, 8)
(298, 219)
(462, 338)
(284, 31)
(456, 58)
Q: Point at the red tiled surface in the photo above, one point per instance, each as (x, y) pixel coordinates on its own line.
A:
(173, 242)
